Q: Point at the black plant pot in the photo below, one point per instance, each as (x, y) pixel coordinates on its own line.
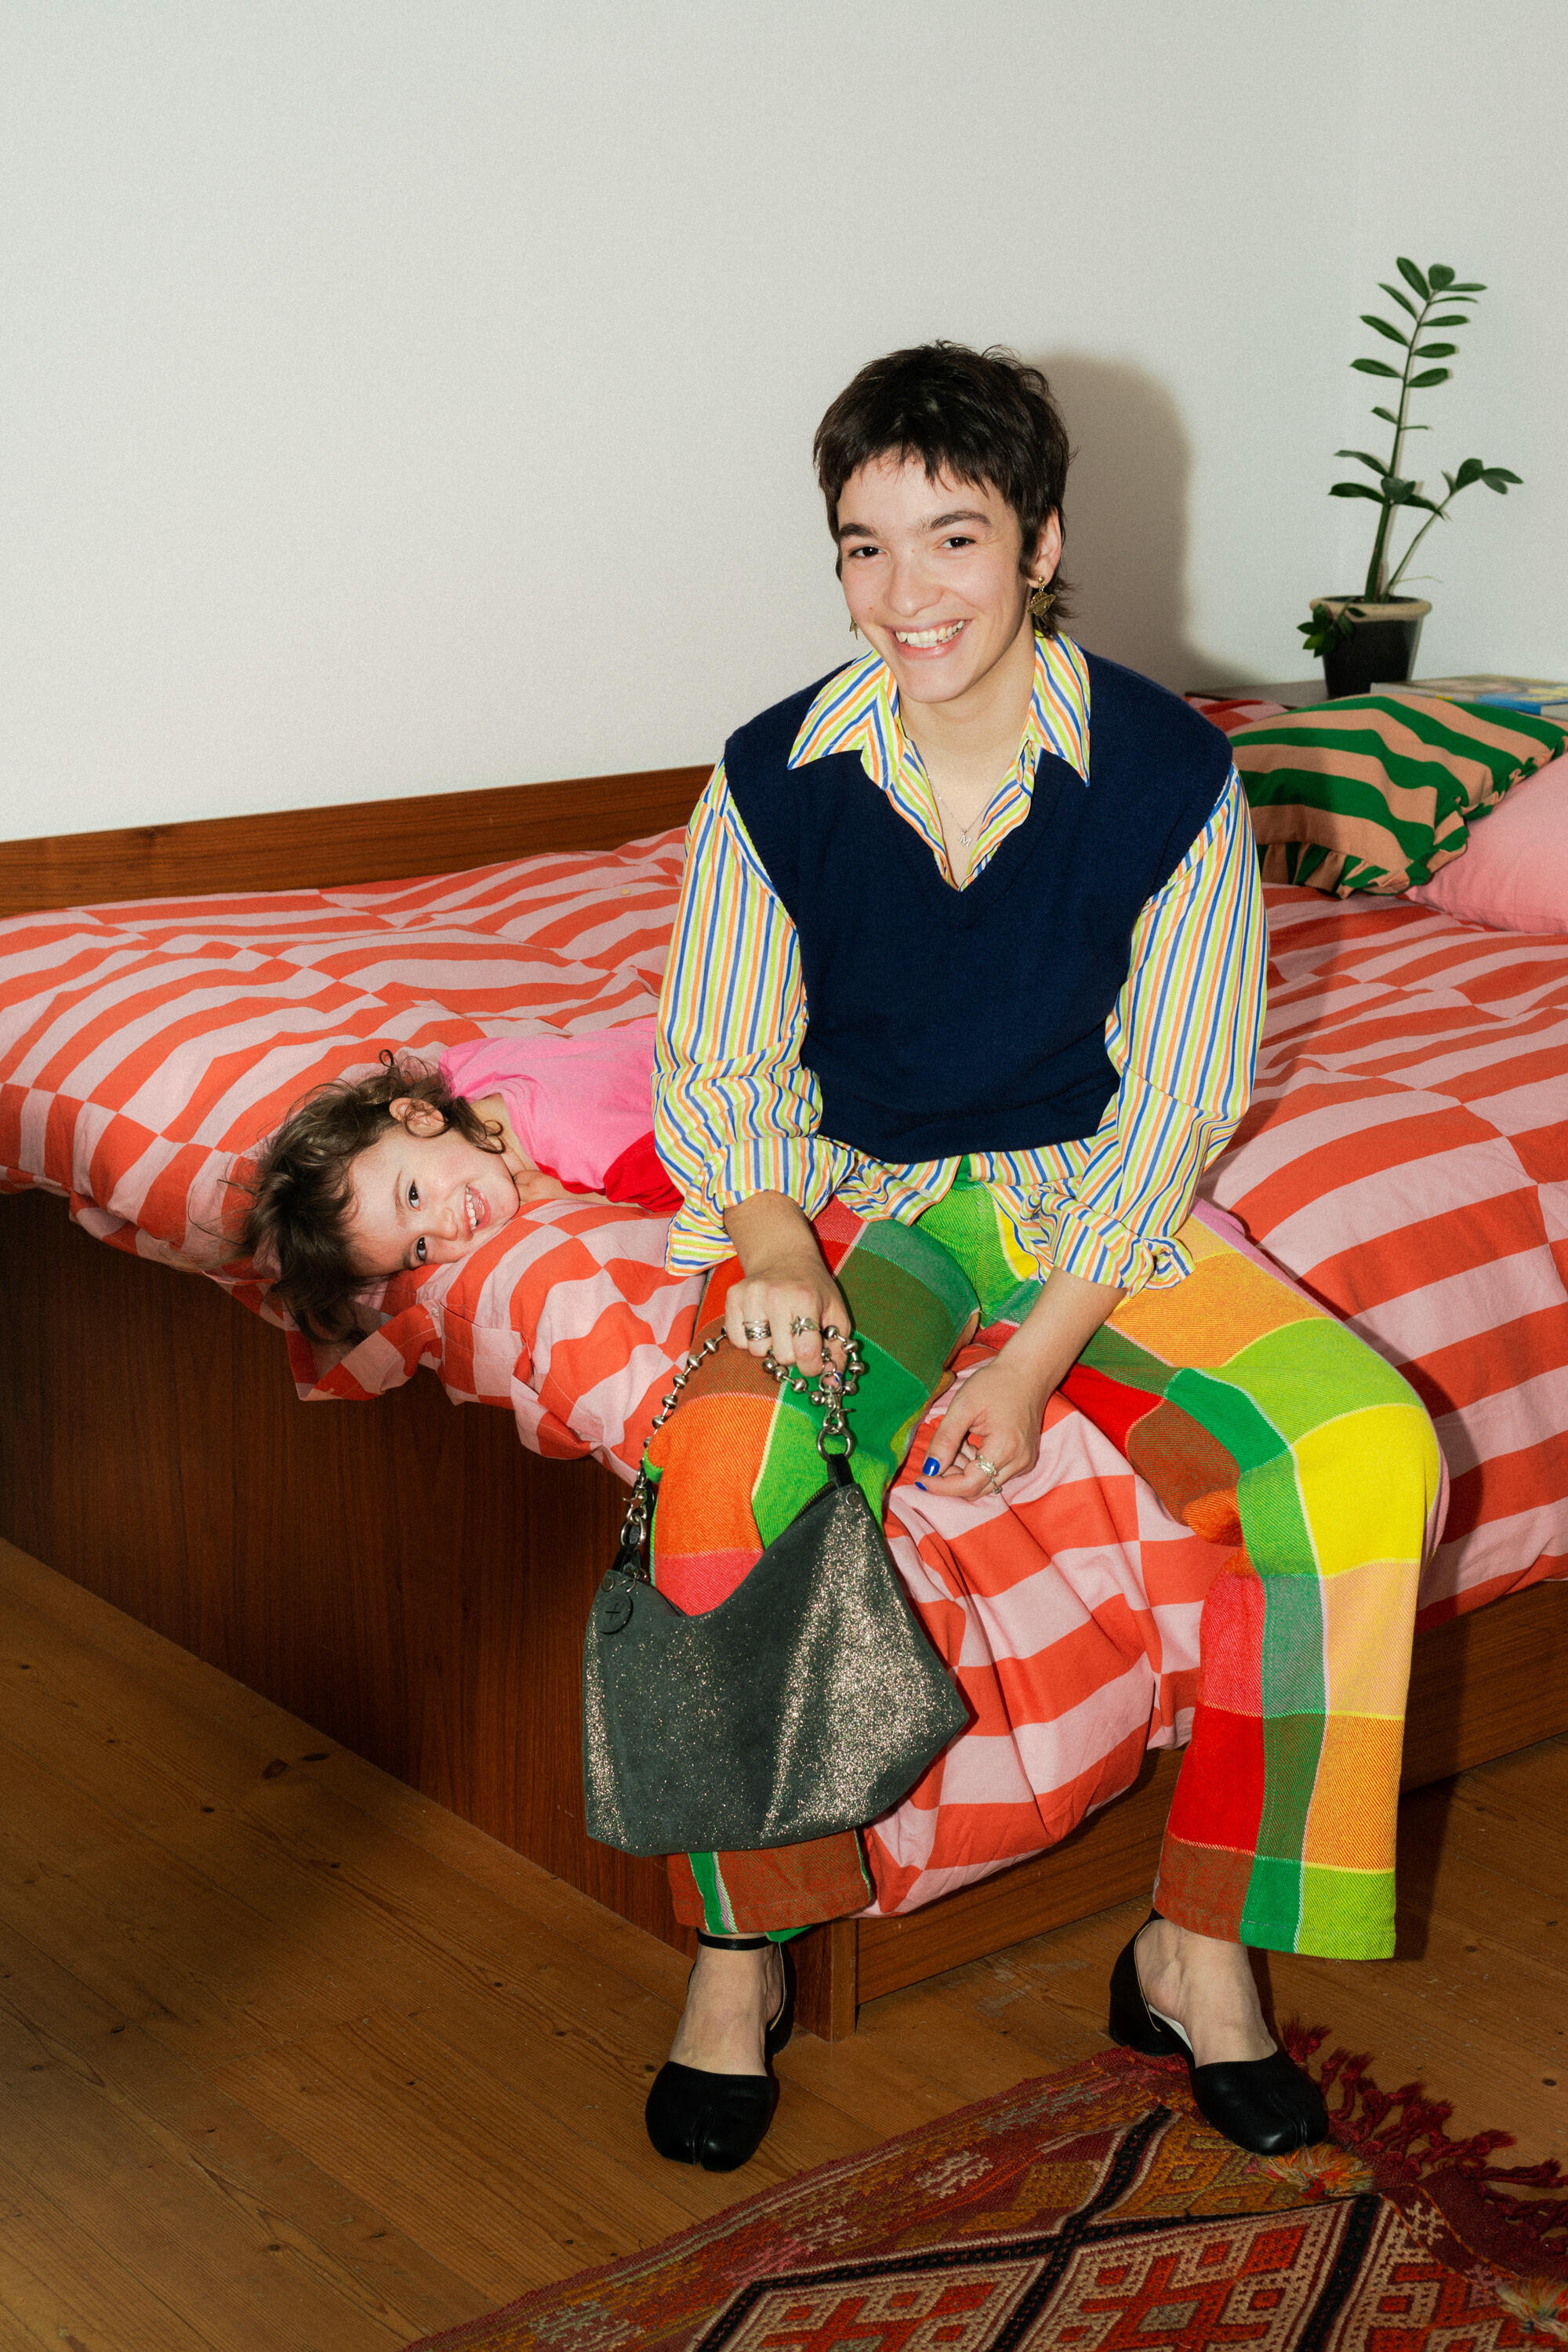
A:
(1381, 648)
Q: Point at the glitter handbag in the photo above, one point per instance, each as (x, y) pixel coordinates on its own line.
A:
(809, 1701)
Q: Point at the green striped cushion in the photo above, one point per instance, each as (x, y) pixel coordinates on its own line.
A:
(1374, 792)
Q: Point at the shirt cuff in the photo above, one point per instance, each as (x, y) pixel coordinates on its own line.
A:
(801, 1167)
(1099, 1248)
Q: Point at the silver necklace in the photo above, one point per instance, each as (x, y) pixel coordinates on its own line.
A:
(962, 864)
(964, 832)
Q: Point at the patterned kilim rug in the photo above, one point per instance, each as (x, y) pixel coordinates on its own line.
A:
(1094, 2208)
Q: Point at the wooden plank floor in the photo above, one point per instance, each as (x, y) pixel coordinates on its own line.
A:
(293, 2060)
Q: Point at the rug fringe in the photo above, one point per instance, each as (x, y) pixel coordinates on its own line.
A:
(1406, 2131)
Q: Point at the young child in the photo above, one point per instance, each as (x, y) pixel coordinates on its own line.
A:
(411, 1168)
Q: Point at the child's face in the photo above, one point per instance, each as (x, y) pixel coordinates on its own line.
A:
(426, 1198)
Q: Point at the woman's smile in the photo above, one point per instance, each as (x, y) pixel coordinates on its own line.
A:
(934, 640)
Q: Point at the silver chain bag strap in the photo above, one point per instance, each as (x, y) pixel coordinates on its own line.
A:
(809, 1701)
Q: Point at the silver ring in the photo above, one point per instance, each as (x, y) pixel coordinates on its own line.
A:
(758, 1330)
(799, 1323)
(993, 1474)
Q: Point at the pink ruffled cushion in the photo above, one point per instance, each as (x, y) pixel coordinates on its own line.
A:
(1513, 873)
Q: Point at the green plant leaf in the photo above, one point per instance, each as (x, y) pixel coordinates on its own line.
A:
(1389, 418)
(1471, 471)
(1497, 477)
(1394, 295)
(1325, 628)
(1396, 491)
(1435, 351)
(1382, 327)
(1364, 457)
(1413, 277)
(1449, 318)
(1360, 490)
(1438, 274)
(1376, 367)
(1427, 506)
(1430, 376)
(1467, 286)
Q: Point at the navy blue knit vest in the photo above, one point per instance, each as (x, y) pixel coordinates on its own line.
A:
(944, 1021)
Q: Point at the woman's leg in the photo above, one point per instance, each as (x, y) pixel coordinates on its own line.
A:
(1265, 1424)
(735, 1462)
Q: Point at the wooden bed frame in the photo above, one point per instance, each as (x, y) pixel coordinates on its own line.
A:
(408, 1577)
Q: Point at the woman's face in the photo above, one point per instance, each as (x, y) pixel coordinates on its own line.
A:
(932, 577)
(424, 1195)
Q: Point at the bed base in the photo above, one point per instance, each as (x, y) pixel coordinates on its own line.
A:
(405, 1576)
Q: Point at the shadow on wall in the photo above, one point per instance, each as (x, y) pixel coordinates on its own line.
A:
(1127, 492)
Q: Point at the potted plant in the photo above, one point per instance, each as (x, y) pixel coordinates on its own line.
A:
(1371, 638)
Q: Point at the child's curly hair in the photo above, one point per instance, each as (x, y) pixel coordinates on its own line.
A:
(301, 1195)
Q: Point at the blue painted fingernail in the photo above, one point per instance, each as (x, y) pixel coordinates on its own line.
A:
(930, 1467)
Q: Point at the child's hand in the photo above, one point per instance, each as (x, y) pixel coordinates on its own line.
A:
(990, 1432)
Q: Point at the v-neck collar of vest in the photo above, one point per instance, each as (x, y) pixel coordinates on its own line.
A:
(855, 711)
(1008, 861)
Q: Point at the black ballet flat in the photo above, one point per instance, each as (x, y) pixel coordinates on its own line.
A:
(719, 2121)
(1265, 2105)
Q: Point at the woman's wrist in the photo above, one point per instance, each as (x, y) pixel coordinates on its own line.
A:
(1058, 1328)
(772, 1237)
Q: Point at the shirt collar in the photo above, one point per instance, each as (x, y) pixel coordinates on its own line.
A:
(857, 709)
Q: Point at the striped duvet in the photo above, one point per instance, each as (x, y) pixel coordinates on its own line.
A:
(1405, 1157)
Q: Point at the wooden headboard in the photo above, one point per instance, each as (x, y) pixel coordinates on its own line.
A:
(361, 841)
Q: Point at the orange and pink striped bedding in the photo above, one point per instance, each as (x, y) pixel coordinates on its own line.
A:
(1405, 1157)
(145, 1049)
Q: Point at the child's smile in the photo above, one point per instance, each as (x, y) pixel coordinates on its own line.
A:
(426, 1200)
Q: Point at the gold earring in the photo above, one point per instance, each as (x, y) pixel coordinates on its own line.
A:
(1043, 597)
(854, 628)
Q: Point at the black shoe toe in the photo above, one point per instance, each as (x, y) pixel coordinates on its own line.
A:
(1265, 2105)
(718, 2121)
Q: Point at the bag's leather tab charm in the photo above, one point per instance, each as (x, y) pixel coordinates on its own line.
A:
(612, 1608)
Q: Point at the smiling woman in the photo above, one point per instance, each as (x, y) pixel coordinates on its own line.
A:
(947, 544)
(970, 942)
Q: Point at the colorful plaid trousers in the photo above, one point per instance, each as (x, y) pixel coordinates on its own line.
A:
(1256, 1418)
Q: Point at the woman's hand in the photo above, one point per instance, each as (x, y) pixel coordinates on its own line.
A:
(785, 1297)
(991, 1431)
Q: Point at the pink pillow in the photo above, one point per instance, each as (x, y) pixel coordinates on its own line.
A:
(1513, 873)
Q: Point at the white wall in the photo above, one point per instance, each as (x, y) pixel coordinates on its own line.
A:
(411, 394)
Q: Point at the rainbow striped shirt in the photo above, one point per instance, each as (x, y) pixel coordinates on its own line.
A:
(737, 1112)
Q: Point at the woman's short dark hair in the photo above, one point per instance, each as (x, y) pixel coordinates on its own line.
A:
(983, 418)
(301, 1191)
